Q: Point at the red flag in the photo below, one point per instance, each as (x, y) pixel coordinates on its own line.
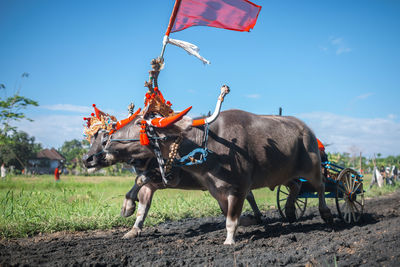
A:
(237, 15)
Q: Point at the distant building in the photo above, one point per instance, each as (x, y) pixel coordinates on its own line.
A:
(46, 161)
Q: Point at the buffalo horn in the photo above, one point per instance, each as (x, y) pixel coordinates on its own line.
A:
(165, 122)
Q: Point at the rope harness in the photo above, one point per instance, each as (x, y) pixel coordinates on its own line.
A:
(195, 157)
(198, 155)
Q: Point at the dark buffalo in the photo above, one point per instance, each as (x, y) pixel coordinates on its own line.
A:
(149, 180)
(249, 151)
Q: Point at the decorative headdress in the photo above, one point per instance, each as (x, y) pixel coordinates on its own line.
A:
(98, 120)
(155, 103)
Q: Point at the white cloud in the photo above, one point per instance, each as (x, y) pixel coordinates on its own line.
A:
(69, 107)
(341, 50)
(373, 135)
(365, 96)
(337, 44)
(254, 96)
(324, 48)
(82, 110)
(53, 130)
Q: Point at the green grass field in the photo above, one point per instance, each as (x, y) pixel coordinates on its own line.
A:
(32, 205)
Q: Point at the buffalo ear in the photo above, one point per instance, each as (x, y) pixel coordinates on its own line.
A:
(185, 123)
(178, 128)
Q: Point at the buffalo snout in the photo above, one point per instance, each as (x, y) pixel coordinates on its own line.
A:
(85, 158)
(89, 161)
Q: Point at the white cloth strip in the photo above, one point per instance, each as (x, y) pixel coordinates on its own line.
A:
(191, 49)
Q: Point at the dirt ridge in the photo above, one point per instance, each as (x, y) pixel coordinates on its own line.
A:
(198, 242)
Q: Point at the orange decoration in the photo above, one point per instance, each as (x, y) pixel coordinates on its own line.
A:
(124, 122)
(198, 122)
(159, 94)
(321, 147)
(87, 121)
(144, 140)
(164, 122)
(98, 112)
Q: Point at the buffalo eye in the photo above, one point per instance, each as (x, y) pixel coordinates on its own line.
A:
(104, 140)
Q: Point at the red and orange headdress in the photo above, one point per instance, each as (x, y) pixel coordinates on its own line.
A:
(100, 120)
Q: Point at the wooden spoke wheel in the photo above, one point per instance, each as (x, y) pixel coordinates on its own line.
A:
(281, 199)
(349, 196)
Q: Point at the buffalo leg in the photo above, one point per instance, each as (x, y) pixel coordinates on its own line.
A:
(324, 211)
(290, 209)
(145, 197)
(254, 207)
(129, 205)
(235, 205)
(231, 207)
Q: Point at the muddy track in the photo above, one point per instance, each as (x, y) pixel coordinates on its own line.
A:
(374, 242)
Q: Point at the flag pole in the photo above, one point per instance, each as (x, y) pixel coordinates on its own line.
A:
(170, 25)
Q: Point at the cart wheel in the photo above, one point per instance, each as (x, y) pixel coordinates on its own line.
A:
(349, 196)
(281, 199)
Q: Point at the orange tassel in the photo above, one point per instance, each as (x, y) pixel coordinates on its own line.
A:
(141, 138)
(144, 139)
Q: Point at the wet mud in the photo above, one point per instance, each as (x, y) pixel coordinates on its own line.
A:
(199, 242)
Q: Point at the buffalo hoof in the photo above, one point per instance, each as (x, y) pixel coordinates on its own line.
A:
(128, 208)
(229, 242)
(326, 215)
(259, 218)
(290, 213)
(248, 220)
(132, 233)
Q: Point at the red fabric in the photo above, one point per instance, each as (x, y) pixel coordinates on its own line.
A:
(237, 15)
(57, 174)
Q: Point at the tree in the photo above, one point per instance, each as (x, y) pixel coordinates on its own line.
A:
(73, 151)
(10, 108)
(15, 146)
(20, 147)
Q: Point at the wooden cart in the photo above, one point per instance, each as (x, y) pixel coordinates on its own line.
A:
(343, 184)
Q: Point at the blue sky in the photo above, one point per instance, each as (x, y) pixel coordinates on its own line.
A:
(334, 64)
